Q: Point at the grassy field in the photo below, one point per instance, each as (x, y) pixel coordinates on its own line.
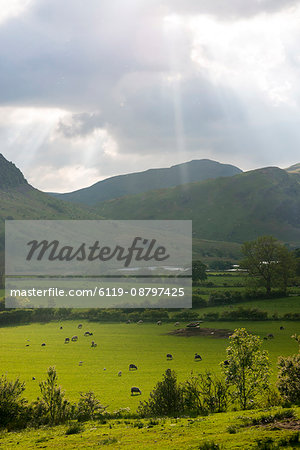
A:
(119, 345)
(280, 306)
(163, 434)
(236, 282)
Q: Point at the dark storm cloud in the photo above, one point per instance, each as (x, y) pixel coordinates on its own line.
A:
(71, 53)
(80, 124)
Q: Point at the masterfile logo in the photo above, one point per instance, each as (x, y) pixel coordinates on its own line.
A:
(96, 247)
(145, 250)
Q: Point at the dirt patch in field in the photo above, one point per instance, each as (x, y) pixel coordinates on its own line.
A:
(213, 332)
(290, 424)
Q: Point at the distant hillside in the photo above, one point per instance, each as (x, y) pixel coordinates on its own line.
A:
(19, 200)
(135, 183)
(294, 169)
(234, 209)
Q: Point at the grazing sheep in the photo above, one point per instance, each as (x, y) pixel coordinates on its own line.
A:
(270, 336)
(265, 338)
(119, 374)
(61, 328)
(74, 338)
(104, 368)
(282, 328)
(79, 326)
(135, 390)
(93, 344)
(197, 357)
(27, 345)
(33, 378)
(169, 356)
(87, 333)
(43, 344)
(159, 322)
(67, 340)
(132, 366)
(80, 363)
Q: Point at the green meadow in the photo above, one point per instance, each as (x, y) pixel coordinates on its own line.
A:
(119, 345)
(278, 306)
(217, 431)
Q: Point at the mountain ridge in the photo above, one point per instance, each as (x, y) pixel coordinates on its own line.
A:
(137, 182)
(233, 209)
(10, 175)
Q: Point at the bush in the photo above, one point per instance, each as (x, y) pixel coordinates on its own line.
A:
(224, 298)
(166, 399)
(291, 316)
(209, 445)
(288, 382)
(244, 314)
(12, 405)
(198, 301)
(57, 408)
(270, 397)
(38, 413)
(89, 407)
(186, 315)
(74, 428)
(205, 393)
(211, 316)
(265, 418)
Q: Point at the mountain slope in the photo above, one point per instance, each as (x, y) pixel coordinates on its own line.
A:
(234, 209)
(10, 175)
(135, 183)
(294, 168)
(19, 200)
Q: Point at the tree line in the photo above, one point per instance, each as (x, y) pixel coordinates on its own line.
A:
(268, 262)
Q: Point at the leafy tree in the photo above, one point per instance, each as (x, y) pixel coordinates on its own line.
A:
(247, 367)
(269, 262)
(199, 271)
(296, 254)
(286, 267)
(57, 407)
(288, 382)
(166, 399)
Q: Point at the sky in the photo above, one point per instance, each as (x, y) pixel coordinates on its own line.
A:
(94, 89)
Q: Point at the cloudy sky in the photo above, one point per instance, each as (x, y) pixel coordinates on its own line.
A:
(92, 89)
